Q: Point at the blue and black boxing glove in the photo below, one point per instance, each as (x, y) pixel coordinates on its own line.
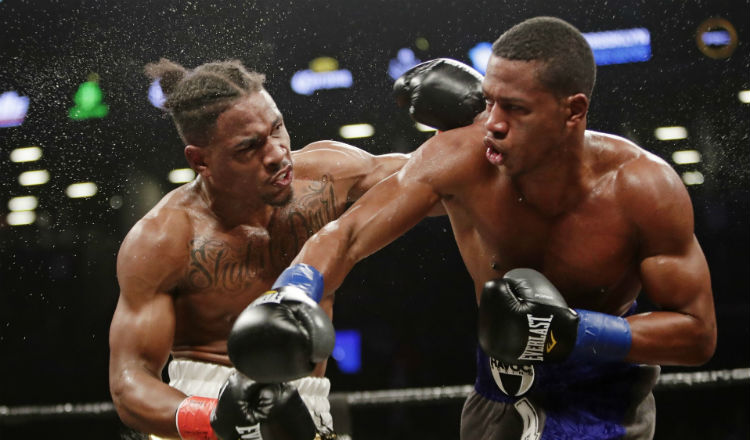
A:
(523, 319)
(282, 335)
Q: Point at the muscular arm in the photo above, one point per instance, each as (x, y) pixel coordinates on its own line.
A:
(383, 214)
(673, 271)
(142, 332)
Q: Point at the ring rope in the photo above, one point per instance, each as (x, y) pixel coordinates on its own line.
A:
(700, 379)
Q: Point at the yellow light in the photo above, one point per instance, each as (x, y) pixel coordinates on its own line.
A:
(355, 131)
(36, 177)
(686, 156)
(181, 175)
(744, 96)
(671, 133)
(26, 154)
(324, 64)
(19, 218)
(81, 190)
(422, 43)
(23, 203)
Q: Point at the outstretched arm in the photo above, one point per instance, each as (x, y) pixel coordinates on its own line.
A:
(383, 214)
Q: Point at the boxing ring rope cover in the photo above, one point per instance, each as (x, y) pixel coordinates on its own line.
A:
(680, 380)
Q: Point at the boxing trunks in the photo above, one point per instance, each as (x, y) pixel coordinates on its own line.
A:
(205, 379)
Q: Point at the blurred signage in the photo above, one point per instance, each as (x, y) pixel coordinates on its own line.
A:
(13, 109)
(323, 74)
(620, 46)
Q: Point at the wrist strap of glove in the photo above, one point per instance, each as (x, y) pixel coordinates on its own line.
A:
(304, 277)
(601, 337)
(193, 418)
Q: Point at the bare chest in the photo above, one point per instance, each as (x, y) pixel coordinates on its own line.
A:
(588, 252)
(228, 269)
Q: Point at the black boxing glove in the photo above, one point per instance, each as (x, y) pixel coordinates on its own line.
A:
(251, 410)
(282, 335)
(524, 319)
(441, 93)
(246, 410)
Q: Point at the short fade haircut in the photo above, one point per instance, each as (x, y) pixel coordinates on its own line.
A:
(568, 63)
(196, 98)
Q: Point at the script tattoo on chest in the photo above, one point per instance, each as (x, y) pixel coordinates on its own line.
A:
(234, 263)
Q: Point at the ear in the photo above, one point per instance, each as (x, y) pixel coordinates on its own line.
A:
(578, 106)
(196, 157)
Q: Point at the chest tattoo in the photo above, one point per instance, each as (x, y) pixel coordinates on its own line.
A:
(236, 263)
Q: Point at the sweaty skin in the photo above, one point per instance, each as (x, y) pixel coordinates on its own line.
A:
(527, 185)
(212, 246)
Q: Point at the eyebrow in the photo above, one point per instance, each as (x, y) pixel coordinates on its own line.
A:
(247, 141)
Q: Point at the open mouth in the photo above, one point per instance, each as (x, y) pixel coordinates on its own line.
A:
(283, 178)
(494, 156)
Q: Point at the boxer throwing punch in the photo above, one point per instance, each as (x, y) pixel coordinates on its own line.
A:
(592, 218)
(213, 247)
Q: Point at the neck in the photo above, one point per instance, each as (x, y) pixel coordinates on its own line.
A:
(557, 185)
(232, 212)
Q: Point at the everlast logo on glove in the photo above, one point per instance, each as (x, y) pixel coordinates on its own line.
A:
(538, 328)
(249, 432)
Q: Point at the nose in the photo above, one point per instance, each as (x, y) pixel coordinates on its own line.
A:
(496, 123)
(276, 155)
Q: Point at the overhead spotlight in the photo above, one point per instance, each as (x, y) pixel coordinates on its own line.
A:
(671, 133)
(181, 175)
(81, 190)
(744, 96)
(355, 131)
(425, 128)
(693, 178)
(26, 154)
(36, 177)
(19, 218)
(23, 203)
(684, 157)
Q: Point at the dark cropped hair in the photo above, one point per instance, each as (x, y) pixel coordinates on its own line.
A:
(568, 63)
(196, 98)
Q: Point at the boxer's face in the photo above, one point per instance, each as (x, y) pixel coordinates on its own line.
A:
(249, 154)
(526, 121)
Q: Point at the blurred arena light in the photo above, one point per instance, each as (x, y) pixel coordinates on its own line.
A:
(422, 43)
(81, 190)
(181, 175)
(26, 154)
(425, 128)
(20, 218)
(480, 56)
(684, 157)
(155, 94)
(693, 178)
(744, 96)
(23, 203)
(348, 351)
(356, 131)
(671, 133)
(620, 46)
(89, 101)
(35, 177)
(405, 60)
(13, 109)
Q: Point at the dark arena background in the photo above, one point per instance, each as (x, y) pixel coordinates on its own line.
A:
(84, 154)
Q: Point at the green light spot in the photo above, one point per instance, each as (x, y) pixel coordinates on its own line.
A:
(89, 102)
